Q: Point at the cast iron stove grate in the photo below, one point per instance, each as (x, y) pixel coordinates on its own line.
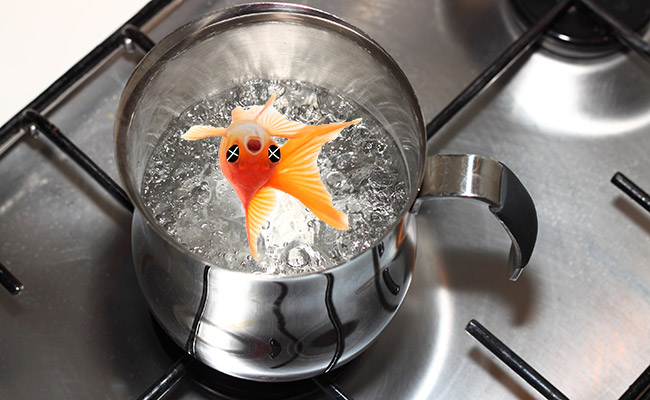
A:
(32, 120)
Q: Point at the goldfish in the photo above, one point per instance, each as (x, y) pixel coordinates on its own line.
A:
(255, 166)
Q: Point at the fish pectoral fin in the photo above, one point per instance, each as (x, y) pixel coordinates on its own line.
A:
(197, 132)
(258, 211)
(327, 131)
(301, 154)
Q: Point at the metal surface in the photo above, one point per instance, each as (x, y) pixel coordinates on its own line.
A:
(81, 328)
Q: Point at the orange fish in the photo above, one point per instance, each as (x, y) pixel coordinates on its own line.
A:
(256, 166)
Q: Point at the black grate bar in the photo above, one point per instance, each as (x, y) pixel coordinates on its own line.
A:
(138, 37)
(62, 142)
(167, 381)
(500, 64)
(10, 131)
(512, 360)
(631, 189)
(330, 388)
(9, 281)
(640, 387)
(625, 35)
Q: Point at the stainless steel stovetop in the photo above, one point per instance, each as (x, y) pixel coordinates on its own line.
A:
(580, 313)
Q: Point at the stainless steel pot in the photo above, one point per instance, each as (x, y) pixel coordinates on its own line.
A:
(286, 328)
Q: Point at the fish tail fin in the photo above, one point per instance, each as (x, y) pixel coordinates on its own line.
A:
(197, 132)
(257, 212)
(298, 175)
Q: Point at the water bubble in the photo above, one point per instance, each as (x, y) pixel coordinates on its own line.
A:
(398, 196)
(306, 113)
(335, 255)
(354, 207)
(356, 219)
(200, 110)
(170, 227)
(337, 180)
(325, 119)
(200, 195)
(378, 215)
(380, 178)
(294, 86)
(346, 161)
(298, 255)
(380, 147)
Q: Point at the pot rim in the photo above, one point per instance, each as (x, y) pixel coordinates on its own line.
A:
(185, 35)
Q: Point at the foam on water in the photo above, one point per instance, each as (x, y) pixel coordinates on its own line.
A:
(190, 198)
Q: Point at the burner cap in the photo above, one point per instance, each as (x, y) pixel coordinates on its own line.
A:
(580, 34)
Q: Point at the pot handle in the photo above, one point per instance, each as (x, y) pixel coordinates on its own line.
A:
(489, 181)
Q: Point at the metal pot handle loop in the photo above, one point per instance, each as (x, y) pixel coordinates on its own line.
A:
(489, 181)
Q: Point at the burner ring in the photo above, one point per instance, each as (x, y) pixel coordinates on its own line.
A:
(580, 34)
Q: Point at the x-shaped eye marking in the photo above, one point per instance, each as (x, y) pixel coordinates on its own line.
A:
(274, 153)
(233, 153)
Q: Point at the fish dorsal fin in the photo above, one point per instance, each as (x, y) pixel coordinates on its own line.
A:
(239, 113)
(277, 124)
(268, 105)
(202, 131)
(258, 211)
(252, 113)
(297, 173)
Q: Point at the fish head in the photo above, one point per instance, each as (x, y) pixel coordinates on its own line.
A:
(247, 142)
(247, 157)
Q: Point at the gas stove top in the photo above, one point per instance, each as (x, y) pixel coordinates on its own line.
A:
(564, 122)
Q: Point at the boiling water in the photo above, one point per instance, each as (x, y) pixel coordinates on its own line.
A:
(190, 198)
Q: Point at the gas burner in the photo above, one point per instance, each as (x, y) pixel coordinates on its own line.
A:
(228, 387)
(580, 34)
